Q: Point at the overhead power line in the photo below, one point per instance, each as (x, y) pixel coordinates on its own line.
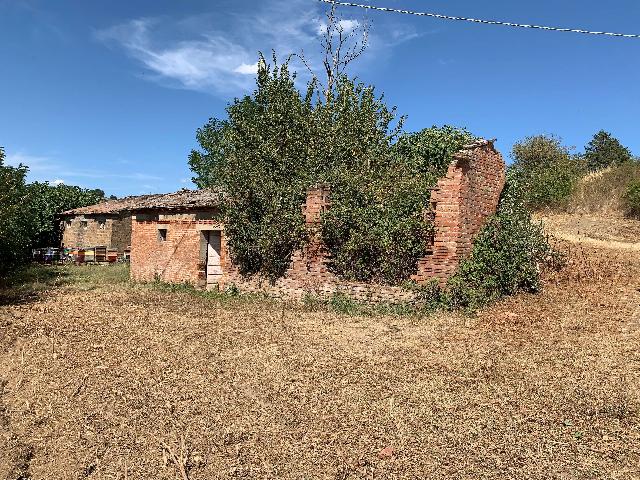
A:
(476, 20)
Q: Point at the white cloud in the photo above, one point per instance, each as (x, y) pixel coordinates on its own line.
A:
(36, 164)
(200, 64)
(247, 69)
(348, 25)
(221, 56)
(58, 181)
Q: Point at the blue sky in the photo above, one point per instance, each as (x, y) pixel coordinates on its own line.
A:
(109, 94)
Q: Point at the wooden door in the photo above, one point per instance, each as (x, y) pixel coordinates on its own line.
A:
(214, 267)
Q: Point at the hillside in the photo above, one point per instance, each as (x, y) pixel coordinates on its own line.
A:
(600, 193)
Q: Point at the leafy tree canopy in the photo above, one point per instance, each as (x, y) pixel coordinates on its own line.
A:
(278, 142)
(13, 230)
(45, 201)
(604, 150)
(27, 213)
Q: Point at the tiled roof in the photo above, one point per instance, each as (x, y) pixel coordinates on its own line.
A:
(183, 199)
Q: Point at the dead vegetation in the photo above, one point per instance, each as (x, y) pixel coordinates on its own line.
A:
(600, 193)
(109, 380)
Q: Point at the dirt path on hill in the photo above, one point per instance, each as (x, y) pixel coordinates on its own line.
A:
(599, 232)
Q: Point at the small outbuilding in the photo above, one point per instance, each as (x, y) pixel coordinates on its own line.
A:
(178, 238)
(106, 224)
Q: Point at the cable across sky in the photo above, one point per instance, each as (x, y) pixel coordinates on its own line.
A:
(480, 21)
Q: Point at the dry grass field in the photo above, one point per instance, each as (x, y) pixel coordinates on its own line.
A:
(101, 379)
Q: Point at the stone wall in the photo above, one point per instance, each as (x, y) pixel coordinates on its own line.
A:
(462, 202)
(121, 233)
(86, 231)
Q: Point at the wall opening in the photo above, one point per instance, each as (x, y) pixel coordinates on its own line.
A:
(162, 235)
(213, 263)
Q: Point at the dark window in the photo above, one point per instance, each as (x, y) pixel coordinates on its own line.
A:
(162, 234)
(102, 223)
(83, 224)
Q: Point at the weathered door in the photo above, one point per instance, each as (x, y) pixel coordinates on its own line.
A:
(214, 268)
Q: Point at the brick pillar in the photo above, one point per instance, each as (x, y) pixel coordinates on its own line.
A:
(463, 200)
(312, 259)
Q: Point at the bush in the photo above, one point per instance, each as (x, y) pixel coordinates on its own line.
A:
(546, 170)
(506, 257)
(631, 200)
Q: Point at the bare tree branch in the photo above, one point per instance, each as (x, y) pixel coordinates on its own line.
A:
(340, 46)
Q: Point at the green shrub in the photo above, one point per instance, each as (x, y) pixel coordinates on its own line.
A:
(631, 200)
(375, 229)
(506, 258)
(547, 171)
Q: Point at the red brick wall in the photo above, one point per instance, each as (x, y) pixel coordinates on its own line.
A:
(312, 260)
(463, 200)
(178, 259)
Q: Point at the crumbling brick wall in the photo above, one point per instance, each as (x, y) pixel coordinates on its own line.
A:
(312, 260)
(462, 202)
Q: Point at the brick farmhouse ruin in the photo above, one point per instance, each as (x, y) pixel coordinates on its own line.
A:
(107, 224)
(179, 237)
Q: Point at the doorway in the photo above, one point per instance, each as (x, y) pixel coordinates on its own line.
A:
(214, 265)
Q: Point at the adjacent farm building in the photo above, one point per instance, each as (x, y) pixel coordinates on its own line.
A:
(179, 238)
(106, 224)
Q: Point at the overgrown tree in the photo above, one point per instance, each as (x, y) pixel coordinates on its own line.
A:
(376, 228)
(277, 143)
(207, 162)
(604, 150)
(260, 157)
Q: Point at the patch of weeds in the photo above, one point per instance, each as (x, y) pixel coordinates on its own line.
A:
(232, 290)
(231, 294)
(313, 303)
(341, 303)
(631, 200)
